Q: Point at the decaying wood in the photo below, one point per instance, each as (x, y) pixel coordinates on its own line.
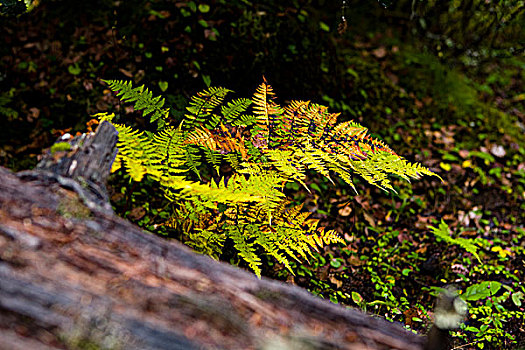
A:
(73, 275)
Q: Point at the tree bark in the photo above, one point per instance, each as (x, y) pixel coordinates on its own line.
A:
(74, 275)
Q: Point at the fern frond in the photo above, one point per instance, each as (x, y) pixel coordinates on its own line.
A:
(202, 137)
(213, 158)
(135, 151)
(245, 248)
(443, 232)
(178, 187)
(135, 168)
(265, 109)
(233, 110)
(104, 116)
(314, 159)
(143, 99)
(228, 143)
(245, 120)
(201, 106)
(266, 148)
(233, 159)
(287, 164)
(269, 241)
(193, 159)
(169, 156)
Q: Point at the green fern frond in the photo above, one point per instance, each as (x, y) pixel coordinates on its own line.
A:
(443, 232)
(264, 109)
(208, 195)
(213, 158)
(201, 106)
(104, 116)
(245, 248)
(169, 156)
(206, 241)
(314, 159)
(193, 159)
(135, 168)
(245, 120)
(232, 110)
(234, 160)
(136, 151)
(287, 164)
(269, 241)
(143, 99)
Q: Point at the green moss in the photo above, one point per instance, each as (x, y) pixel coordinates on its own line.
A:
(60, 146)
(72, 207)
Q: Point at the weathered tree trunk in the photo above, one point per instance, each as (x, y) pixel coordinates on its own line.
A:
(73, 275)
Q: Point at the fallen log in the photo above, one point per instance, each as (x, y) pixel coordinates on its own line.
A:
(74, 275)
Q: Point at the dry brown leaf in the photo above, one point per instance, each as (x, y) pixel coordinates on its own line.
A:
(380, 52)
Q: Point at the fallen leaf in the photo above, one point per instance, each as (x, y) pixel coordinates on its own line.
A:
(380, 52)
(370, 219)
(137, 213)
(355, 261)
(463, 153)
(345, 211)
(126, 72)
(498, 151)
(335, 281)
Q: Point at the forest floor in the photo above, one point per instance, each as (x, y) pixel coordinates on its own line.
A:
(467, 123)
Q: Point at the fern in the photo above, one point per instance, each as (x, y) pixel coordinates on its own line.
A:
(232, 111)
(247, 249)
(143, 99)
(135, 152)
(266, 147)
(317, 142)
(202, 105)
(213, 158)
(169, 157)
(443, 232)
(193, 159)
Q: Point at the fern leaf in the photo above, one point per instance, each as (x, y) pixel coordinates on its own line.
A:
(264, 108)
(143, 100)
(193, 159)
(233, 159)
(136, 151)
(213, 158)
(443, 232)
(286, 163)
(232, 110)
(201, 106)
(265, 149)
(135, 168)
(169, 154)
(245, 120)
(245, 249)
(202, 137)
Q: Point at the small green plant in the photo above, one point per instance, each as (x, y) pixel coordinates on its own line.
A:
(489, 313)
(5, 99)
(265, 150)
(442, 232)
